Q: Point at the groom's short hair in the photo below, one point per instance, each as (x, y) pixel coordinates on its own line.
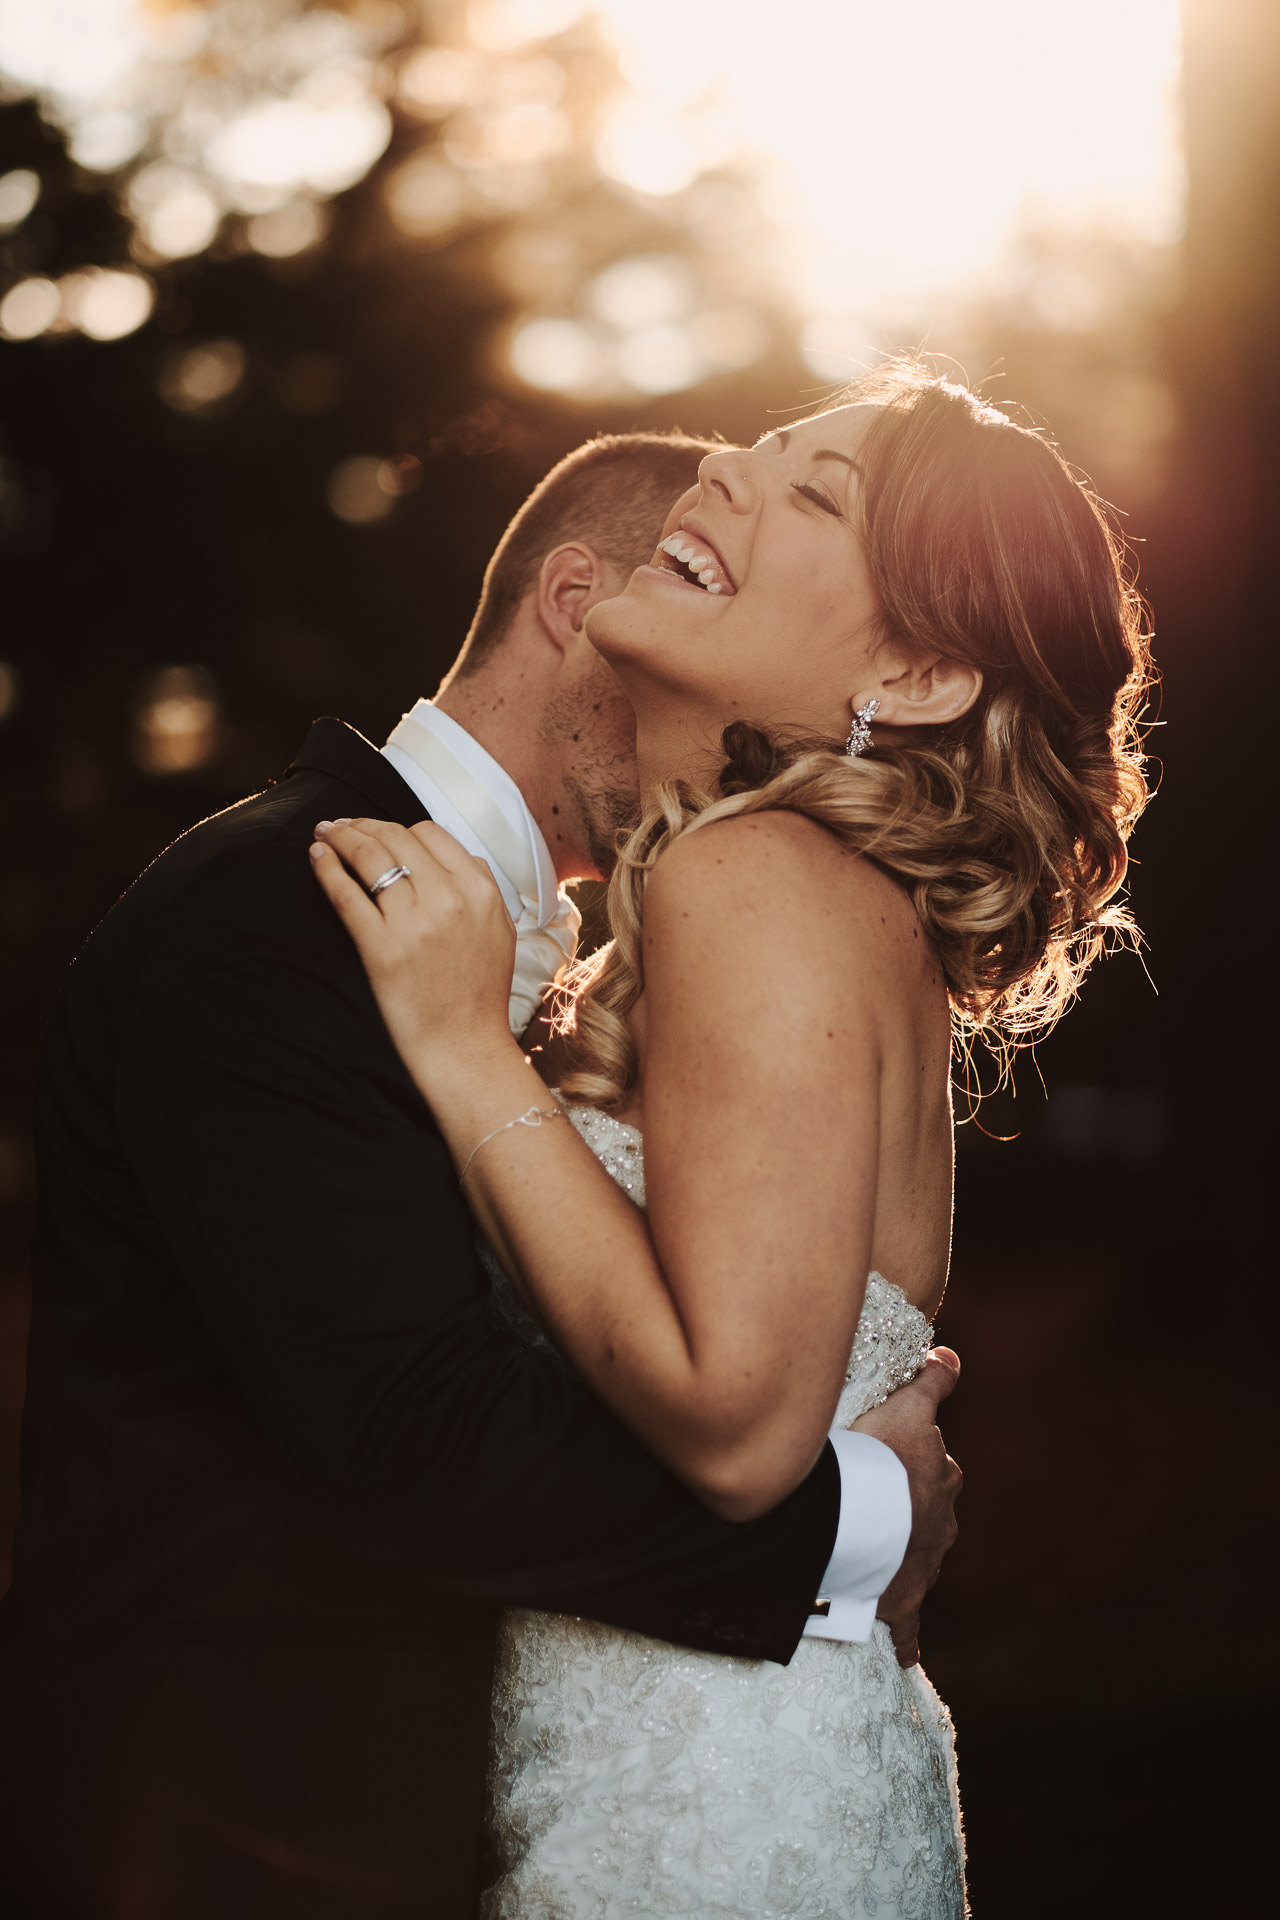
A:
(612, 493)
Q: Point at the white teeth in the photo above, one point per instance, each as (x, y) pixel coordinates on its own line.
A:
(705, 569)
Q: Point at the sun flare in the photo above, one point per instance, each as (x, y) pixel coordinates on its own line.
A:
(899, 153)
(904, 146)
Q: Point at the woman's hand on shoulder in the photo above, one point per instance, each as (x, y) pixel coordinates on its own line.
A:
(437, 943)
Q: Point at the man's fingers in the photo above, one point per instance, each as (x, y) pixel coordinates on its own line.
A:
(936, 1378)
(906, 1641)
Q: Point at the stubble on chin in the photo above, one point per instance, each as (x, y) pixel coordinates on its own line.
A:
(602, 780)
(609, 813)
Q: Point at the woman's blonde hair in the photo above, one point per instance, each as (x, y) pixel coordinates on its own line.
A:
(1007, 827)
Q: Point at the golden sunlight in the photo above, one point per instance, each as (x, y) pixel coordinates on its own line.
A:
(901, 154)
(904, 147)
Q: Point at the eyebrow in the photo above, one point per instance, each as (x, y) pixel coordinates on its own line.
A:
(783, 434)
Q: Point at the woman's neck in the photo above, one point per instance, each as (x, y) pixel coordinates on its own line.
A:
(678, 745)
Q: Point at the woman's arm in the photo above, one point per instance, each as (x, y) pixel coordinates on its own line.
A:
(722, 1339)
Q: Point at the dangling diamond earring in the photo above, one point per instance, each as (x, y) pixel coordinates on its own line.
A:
(860, 733)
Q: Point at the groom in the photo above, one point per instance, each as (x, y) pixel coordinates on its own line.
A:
(280, 1472)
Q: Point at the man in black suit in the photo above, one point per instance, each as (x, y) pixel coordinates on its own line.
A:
(280, 1469)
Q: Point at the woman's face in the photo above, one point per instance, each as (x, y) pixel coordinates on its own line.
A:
(781, 625)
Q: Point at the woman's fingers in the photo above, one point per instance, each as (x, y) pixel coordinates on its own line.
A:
(443, 848)
(432, 871)
(473, 875)
(371, 849)
(436, 941)
(358, 913)
(441, 872)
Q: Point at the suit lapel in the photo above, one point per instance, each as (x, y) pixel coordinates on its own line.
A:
(337, 750)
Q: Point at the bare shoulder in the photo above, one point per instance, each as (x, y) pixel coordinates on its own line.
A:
(787, 871)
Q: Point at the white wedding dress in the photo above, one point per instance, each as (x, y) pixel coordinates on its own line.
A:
(632, 1777)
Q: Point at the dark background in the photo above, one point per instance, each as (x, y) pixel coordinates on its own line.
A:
(1105, 1630)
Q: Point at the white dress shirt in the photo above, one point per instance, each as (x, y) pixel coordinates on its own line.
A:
(468, 794)
(871, 1538)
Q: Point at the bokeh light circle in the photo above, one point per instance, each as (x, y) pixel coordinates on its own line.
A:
(29, 309)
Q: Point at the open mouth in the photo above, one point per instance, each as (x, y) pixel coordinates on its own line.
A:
(690, 561)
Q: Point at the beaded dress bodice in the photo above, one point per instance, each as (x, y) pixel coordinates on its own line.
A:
(629, 1776)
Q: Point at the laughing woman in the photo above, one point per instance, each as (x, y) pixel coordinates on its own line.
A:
(885, 668)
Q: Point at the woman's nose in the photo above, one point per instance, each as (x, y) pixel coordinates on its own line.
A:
(728, 474)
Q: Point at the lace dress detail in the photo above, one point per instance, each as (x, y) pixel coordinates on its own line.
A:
(632, 1777)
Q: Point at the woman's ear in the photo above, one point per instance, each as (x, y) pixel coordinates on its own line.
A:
(923, 693)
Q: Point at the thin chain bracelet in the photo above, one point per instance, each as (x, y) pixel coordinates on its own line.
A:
(531, 1117)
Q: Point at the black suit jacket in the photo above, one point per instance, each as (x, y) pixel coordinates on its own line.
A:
(279, 1471)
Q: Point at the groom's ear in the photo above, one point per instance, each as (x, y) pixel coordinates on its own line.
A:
(570, 581)
(924, 692)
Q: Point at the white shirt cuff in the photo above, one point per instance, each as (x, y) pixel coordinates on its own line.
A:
(871, 1537)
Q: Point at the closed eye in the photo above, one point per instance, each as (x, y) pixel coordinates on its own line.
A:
(819, 499)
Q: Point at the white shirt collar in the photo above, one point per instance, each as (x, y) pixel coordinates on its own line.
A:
(539, 879)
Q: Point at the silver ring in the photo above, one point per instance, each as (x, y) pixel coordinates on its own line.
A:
(388, 879)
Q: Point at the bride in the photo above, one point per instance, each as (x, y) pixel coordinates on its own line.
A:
(886, 668)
